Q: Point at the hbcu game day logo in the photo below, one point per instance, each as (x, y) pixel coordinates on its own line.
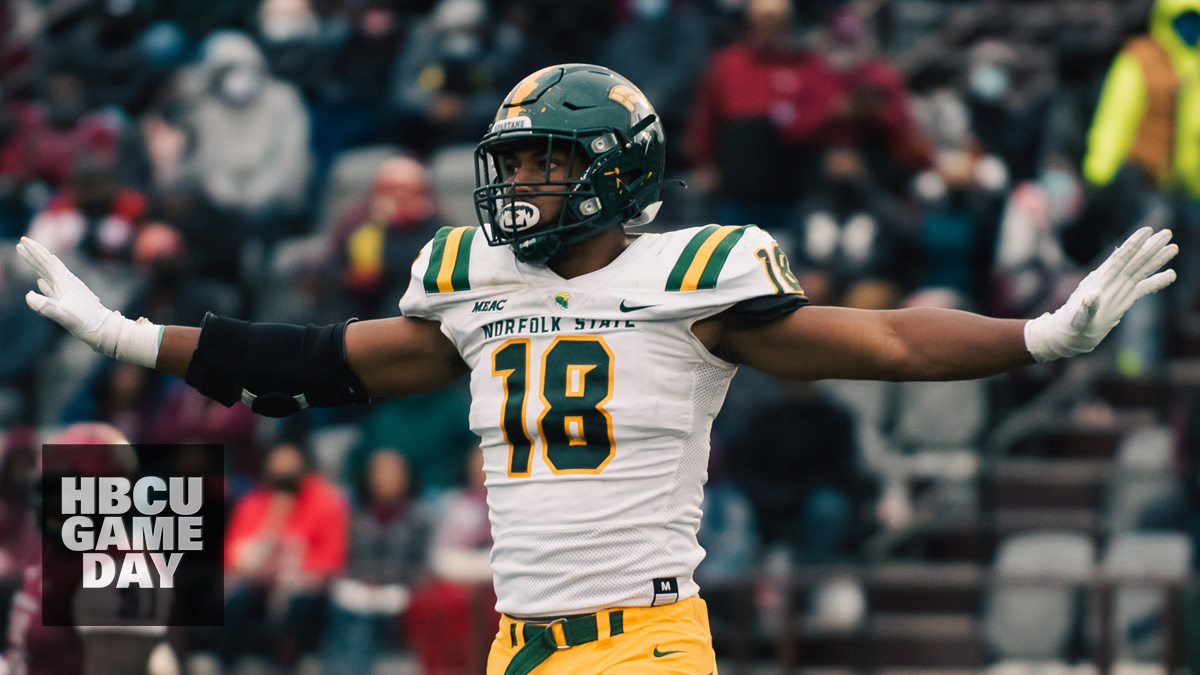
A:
(96, 510)
(132, 535)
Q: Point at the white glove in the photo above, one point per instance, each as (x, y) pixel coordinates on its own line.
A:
(69, 302)
(1103, 297)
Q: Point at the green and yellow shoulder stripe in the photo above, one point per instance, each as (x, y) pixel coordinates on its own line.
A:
(450, 260)
(699, 266)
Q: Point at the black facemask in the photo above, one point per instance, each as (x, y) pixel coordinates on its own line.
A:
(64, 114)
(847, 195)
(285, 482)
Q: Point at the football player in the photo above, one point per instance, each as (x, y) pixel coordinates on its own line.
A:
(597, 362)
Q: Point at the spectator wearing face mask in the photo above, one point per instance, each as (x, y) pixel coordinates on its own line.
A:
(349, 100)
(290, 34)
(1029, 258)
(285, 541)
(448, 77)
(250, 145)
(1009, 102)
(172, 292)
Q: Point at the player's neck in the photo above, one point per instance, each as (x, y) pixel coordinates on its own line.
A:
(590, 254)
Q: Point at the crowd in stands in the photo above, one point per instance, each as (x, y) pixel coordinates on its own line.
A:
(286, 160)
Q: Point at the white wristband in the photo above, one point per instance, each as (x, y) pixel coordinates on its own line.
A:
(1036, 340)
(136, 341)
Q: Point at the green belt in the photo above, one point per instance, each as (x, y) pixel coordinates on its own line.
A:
(540, 642)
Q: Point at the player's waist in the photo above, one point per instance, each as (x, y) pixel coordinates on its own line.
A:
(595, 625)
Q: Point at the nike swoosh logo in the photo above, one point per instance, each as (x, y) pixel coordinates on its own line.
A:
(634, 308)
(658, 654)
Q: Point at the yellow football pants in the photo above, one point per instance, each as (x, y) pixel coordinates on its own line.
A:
(671, 639)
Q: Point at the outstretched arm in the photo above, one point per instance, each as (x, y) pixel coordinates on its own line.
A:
(276, 368)
(925, 343)
(393, 357)
(940, 344)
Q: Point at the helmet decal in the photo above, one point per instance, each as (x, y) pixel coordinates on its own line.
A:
(510, 123)
(633, 99)
(526, 91)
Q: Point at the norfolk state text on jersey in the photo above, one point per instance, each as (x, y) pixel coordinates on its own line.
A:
(538, 325)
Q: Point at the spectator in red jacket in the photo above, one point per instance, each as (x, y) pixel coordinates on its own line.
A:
(94, 217)
(52, 132)
(754, 130)
(285, 541)
(872, 113)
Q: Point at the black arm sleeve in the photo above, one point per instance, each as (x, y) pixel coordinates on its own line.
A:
(276, 369)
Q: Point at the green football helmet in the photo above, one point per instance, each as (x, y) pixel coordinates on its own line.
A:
(593, 115)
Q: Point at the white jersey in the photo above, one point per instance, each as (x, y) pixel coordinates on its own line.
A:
(594, 401)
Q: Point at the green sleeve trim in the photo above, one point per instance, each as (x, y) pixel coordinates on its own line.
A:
(675, 280)
(460, 279)
(435, 259)
(708, 278)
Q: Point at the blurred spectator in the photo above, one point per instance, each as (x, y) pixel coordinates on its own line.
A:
(1009, 102)
(1179, 509)
(1029, 259)
(448, 79)
(872, 111)
(20, 545)
(849, 247)
(432, 430)
(186, 416)
(754, 129)
(94, 217)
(662, 46)
(172, 293)
(285, 542)
(798, 464)
(53, 630)
(460, 600)
(729, 531)
(375, 243)
(103, 45)
(729, 535)
(25, 340)
(389, 547)
(122, 395)
(557, 32)
(1144, 135)
(961, 198)
(199, 19)
(348, 103)
(51, 133)
(15, 209)
(1143, 116)
(251, 146)
(290, 34)
(213, 234)
(154, 144)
